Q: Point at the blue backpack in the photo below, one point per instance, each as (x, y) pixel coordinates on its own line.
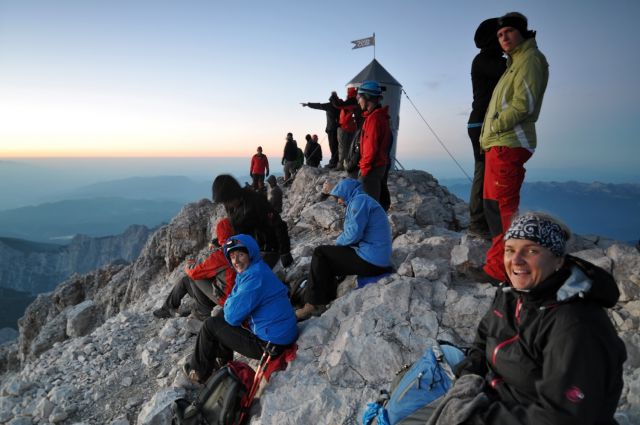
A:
(416, 391)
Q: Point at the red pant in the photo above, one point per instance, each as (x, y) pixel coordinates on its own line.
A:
(503, 177)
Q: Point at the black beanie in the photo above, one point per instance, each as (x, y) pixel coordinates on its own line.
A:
(225, 188)
(515, 20)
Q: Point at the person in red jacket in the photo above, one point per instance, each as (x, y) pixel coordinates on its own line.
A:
(209, 282)
(259, 169)
(375, 143)
(347, 124)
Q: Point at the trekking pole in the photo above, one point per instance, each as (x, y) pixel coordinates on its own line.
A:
(262, 365)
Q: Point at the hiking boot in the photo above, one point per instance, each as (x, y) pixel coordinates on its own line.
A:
(308, 311)
(164, 312)
(191, 374)
(478, 274)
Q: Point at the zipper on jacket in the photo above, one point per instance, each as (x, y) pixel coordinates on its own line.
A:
(501, 345)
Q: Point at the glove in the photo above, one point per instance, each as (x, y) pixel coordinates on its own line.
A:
(286, 259)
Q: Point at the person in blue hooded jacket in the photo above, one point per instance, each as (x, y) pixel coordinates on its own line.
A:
(363, 248)
(256, 313)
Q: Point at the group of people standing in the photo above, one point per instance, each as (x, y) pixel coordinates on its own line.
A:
(360, 125)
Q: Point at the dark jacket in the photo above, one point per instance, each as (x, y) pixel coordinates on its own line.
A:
(253, 215)
(290, 151)
(551, 356)
(313, 153)
(486, 69)
(332, 114)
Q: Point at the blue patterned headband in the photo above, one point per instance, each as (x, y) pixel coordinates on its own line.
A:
(540, 230)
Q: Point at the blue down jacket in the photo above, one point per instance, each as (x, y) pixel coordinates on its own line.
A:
(260, 298)
(366, 227)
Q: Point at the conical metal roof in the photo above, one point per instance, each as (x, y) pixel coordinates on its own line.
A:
(375, 71)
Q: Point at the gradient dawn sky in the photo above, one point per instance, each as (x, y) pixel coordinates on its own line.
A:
(217, 78)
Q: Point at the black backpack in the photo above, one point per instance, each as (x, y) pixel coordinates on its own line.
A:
(219, 401)
(353, 155)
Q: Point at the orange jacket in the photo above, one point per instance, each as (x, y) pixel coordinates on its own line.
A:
(216, 262)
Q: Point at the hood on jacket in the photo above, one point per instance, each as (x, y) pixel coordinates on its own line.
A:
(578, 279)
(486, 35)
(246, 242)
(225, 188)
(589, 281)
(223, 230)
(347, 189)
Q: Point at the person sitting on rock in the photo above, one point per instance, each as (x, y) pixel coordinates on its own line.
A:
(209, 283)
(363, 248)
(274, 194)
(257, 313)
(252, 214)
(546, 350)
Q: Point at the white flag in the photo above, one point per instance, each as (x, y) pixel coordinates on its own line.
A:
(364, 42)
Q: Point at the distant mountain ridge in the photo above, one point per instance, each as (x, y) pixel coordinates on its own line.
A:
(93, 217)
(607, 209)
(36, 267)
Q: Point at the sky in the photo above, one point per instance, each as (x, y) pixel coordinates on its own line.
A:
(217, 78)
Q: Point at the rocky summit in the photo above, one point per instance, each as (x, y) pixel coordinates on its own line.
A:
(91, 352)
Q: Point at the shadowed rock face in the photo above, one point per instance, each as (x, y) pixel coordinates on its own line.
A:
(38, 268)
(92, 352)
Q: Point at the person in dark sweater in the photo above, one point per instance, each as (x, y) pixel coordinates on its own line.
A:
(251, 213)
(289, 156)
(486, 69)
(312, 151)
(332, 125)
(546, 348)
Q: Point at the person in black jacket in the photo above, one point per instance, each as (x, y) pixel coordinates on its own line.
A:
(289, 156)
(546, 348)
(486, 69)
(250, 213)
(312, 151)
(332, 125)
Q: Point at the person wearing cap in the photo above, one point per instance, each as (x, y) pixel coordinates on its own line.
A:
(252, 214)
(375, 143)
(312, 151)
(289, 156)
(363, 248)
(546, 348)
(508, 136)
(209, 283)
(332, 125)
(259, 169)
(486, 69)
(274, 194)
(347, 124)
(257, 313)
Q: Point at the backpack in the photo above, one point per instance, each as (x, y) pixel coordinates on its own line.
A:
(219, 401)
(416, 390)
(353, 155)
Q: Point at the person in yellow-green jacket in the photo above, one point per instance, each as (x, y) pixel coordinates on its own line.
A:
(508, 135)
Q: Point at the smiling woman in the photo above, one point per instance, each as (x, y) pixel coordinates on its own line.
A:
(546, 347)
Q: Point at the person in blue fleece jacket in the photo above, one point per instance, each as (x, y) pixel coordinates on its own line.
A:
(363, 248)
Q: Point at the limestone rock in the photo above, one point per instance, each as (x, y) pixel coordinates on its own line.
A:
(82, 318)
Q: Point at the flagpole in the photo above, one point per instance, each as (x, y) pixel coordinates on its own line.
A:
(374, 45)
